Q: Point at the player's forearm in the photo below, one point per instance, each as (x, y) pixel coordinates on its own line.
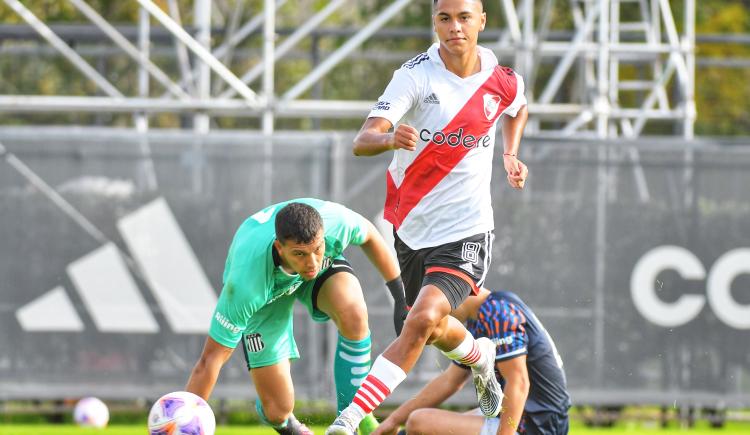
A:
(513, 131)
(379, 255)
(513, 404)
(372, 143)
(203, 378)
(435, 392)
(431, 396)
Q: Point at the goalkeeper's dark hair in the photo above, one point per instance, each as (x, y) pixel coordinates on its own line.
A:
(299, 222)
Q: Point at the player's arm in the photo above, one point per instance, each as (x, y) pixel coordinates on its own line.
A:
(433, 394)
(516, 390)
(206, 370)
(227, 324)
(380, 256)
(512, 128)
(375, 137)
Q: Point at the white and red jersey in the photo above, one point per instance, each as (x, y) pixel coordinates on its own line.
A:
(440, 193)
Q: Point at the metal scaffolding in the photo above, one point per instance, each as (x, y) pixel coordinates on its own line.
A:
(616, 66)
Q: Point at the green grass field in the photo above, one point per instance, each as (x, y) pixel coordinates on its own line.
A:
(623, 428)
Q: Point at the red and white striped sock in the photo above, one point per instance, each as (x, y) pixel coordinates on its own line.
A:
(467, 353)
(383, 378)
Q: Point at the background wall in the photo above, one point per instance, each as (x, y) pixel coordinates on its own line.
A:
(570, 244)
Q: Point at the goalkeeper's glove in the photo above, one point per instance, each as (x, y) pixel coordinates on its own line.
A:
(396, 287)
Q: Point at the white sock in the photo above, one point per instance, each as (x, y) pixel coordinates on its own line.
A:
(467, 353)
(383, 378)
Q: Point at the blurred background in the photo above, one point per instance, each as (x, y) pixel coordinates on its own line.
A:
(136, 136)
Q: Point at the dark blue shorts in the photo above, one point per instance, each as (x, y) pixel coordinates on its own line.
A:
(544, 423)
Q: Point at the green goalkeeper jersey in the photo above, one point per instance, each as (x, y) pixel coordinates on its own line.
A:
(254, 279)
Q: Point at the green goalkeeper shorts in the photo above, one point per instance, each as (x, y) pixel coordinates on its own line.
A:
(269, 337)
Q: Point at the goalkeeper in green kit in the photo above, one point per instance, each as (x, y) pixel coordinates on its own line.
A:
(286, 252)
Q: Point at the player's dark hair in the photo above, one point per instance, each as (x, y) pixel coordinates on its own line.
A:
(299, 222)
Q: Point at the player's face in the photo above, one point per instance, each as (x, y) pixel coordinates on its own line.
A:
(458, 23)
(306, 259)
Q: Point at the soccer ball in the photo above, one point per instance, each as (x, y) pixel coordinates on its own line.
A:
(181, 413)
(91, 412)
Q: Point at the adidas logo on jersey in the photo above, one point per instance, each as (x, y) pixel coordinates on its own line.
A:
(431, 99)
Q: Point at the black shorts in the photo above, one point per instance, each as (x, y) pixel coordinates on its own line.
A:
(338, 265)
(458, 268)
(544, 423)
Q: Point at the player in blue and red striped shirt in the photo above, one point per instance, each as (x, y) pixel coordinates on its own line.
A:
(527, 365)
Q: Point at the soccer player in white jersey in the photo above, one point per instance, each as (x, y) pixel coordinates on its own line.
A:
(448, 102)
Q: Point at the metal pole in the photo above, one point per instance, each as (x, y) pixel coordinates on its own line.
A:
(600, 256)
(527, 48)
(148, 172)
(601, 105)
(183, 59)
(144, 47)
(614, 60)
(689, 93)
(231, 29)
(201, 120)
(689, 102)
(600, 250)
(528, 36)
(674, 41)
(514, 26)
(269, 36)
(202, 19)
(539, 37)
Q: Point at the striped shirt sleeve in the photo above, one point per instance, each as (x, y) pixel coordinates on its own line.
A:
(505, 324)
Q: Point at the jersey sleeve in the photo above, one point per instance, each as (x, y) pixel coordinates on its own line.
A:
(508, 329)
(343, 225)
(398, 98)
(505, 324)
(513, 90)
(245, 291)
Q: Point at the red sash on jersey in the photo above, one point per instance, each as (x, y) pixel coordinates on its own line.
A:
(437, 161)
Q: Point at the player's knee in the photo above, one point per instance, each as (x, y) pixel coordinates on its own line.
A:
(418, 422)
(438, 331)
(423, 322)
(352, 322)
(277, 411)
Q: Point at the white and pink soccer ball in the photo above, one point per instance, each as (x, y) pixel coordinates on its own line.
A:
(91, 412)
(181, 413)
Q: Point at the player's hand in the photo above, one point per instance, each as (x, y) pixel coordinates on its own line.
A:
(387, 427)
(517, 171)
(405, 138)
(399, 317)
(396, 287)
